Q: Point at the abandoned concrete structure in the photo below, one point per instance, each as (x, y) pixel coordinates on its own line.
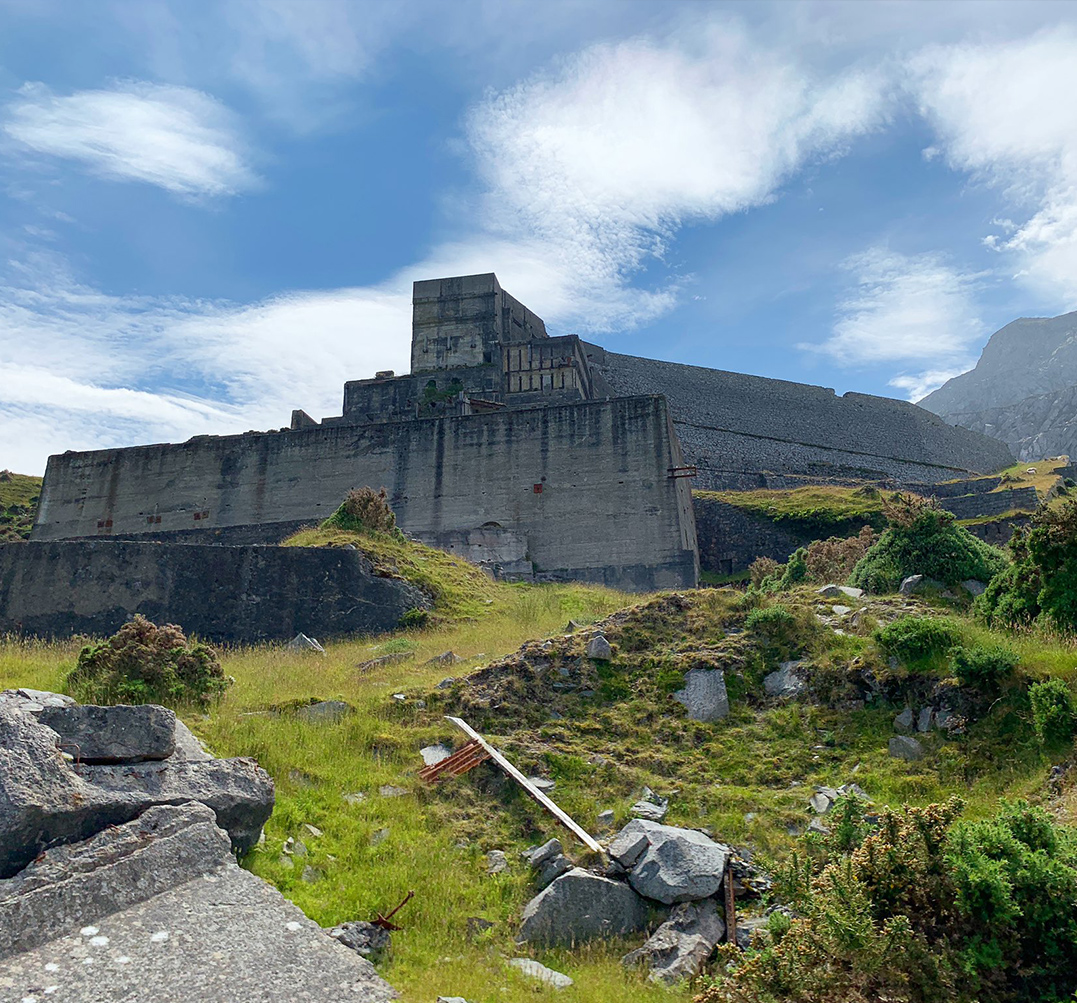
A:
(537, 456)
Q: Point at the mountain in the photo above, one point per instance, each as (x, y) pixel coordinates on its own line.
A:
(1022, 391)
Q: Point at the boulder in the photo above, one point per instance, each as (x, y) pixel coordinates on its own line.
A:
(680, 947)
(367, 939)
(496, 862)
(580, 906)
(904, 747)
(188, 747)
(704, 695)
(536, 856)
(669, 864)
(650, 806)
(851, 592)
(68, 885)
(445, 658)
(605, 819)
(973, 587)
(903, 721)
(925, 720)
(121, 734)
(915, 584)
(599, 648)
(539, 972)
(785, 683)
(303, 643)
(830, 592)
(46, 801)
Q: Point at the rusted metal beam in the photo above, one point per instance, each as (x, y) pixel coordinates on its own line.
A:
(467, 757)
(529, 787)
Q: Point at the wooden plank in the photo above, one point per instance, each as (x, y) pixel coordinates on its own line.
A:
(530, 788)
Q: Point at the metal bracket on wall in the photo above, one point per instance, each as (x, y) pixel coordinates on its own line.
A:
(683, 471)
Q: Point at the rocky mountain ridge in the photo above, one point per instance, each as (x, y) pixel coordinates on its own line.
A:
(1023, 389)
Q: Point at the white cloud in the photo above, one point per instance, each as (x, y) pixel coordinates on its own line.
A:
(916, 386)
(904, 309)
(1004, 113)
(177, 138)
(595, 165)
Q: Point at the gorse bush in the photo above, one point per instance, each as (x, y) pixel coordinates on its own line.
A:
(830, 560)
(144, 663)
(1041, 584)
(1054, 715)
(763, 568)
(983, 666)
(923, 539)
(917, 638)
(924, 907)
(364, 510)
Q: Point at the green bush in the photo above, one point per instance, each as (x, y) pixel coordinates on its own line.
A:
(1041, 584)
(983, 666)
(923, 907)
(923, 539)
(363, 510)
(1054, 714)
(414, 618)
(144, 663)
(917, 638)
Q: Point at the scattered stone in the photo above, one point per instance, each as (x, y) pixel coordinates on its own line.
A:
(543, 784)
(830, 592)
(650, 806)
(445, 658)
(599, 648)
(355, 797)
(325, 711)
(121, 734)
(818, 825)
(311, 875)
(379, 836)
(681, 946)
(851, 592)
(904, 747)
(915, 584)
(943, 719)
(303, 643)
(536, 856)
(841, 610)
(541, 973)
(552, 869)
(580, 906)
(400, 698)
(672, 865)
(821, 802)
(704, 695)
(393, 658)
(371, 941)
(605, 820)
(973, 587)
(434, 753)
(389, 791)
(746, 930)
(903, 722)
(785, 683)
(571, 627)
(925, 720)
(313, 829)
(451, 999)
(496, 862)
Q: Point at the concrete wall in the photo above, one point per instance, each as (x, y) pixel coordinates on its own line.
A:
(748, 431)
(730, 538)
(997, 503)
(587, 484)
(230, 594)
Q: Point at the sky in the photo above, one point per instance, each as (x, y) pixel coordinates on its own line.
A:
(212, 213)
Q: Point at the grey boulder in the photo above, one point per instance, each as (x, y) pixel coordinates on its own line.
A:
(903, 721)
(540, 973)
(367, 939)
(120, 734)
(904, 747)
(680, 947)
(915, 584)
(785, 683)
(704, 695)
(303, 643)
(599, 648)
(669, 864)
(973, 587)
(580, 906)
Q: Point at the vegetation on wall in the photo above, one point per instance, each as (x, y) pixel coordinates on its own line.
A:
(809, 512)
(18, 505)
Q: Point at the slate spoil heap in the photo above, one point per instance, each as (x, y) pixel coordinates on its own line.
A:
(652, 867)
(118, 876)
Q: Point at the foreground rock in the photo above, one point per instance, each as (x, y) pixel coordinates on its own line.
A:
(366, 939)
(46, 800)
(668, 864)
(580, 906)
(680, 947)
(218, 933)
(904, 747)
(704, 695)
(540, 972)
(113, 734)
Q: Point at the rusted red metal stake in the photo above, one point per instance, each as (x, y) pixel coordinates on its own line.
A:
(385, 921)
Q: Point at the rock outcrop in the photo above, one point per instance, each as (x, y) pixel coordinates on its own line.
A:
(668, 864)
(581, 906)
(680, 947)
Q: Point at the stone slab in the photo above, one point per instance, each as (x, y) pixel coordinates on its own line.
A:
(119, 734)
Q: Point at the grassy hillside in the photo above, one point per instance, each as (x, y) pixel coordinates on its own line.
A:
(814, 511)
(18, 504)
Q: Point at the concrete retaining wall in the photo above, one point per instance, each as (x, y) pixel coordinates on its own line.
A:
(229, 594)
(996, 503)
(587, 485)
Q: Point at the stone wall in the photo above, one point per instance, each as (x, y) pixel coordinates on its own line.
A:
(749, 431)
(226, 594)
(730, 538)
(588, 485)
(976, 506)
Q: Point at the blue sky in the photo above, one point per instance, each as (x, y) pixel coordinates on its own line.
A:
(211, 213)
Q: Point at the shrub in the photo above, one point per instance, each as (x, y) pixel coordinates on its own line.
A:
(922, 539)
(771, 620)
(983, 666)
(1054, 715)
(364, 510)
(833, 560)
(1041, 584)
(144, 663)
(763, 568)
(414, 618)
(917, 638)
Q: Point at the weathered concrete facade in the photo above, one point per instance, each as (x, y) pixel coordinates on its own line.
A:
(231, 594)
(586, 487)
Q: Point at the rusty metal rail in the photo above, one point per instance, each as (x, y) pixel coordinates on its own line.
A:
(467, 757)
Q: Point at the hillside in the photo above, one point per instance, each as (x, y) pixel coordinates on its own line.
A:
(18, 505)
(1023, 389)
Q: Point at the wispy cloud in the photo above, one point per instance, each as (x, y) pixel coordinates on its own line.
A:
(177, 138)
(915, 309)
(601, 160)
(1003, 113)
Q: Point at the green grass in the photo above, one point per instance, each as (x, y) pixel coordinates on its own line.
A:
(18, 504)
(811, 511)
(747, 778)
